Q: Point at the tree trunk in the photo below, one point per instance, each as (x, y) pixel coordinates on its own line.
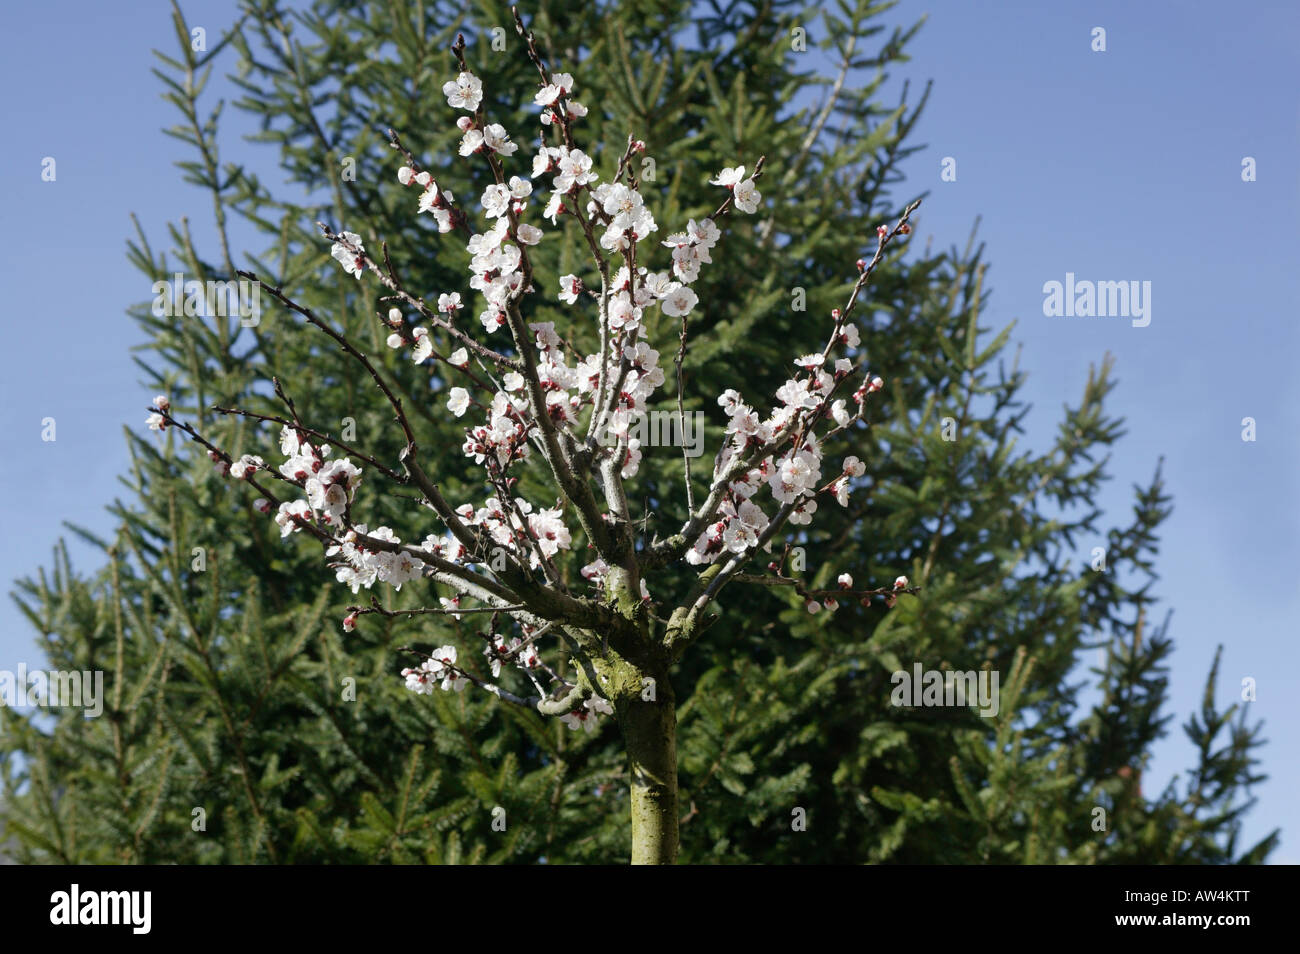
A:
(650, 734)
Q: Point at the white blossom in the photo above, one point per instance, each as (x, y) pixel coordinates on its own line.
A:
(351, 260)
(585, 718)
(497, 139)
(496, 200)
(729, 177)
(464, 92)
(423, 345)
(679, 302)
(246, 466)
(458, 401)
(288, 515)
(747, 196)
(569, 288)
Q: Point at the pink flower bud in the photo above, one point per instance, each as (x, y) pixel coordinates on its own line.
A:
(862, 264)
(465, 124)
(882, 231)
(349, 622)
(262, 504)
(900, 583)
(904, 229)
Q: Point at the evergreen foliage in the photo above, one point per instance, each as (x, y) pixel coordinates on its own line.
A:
(227, 669)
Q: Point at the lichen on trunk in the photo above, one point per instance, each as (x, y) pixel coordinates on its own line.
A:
(650, 735)
(632, 670)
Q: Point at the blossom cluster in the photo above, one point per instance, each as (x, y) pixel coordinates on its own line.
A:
(558, 389)
(438, 671)
(498, 649)
(540, 533)
(585, 717)
(792, 476)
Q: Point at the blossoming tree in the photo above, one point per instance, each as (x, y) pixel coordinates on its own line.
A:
(534, 403)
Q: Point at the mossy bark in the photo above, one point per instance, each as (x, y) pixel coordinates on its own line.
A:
(650, 735)
(631, 671)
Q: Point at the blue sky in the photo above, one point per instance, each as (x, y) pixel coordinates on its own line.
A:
(1116, 165)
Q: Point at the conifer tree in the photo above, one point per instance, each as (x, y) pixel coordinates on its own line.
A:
(245, 725)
